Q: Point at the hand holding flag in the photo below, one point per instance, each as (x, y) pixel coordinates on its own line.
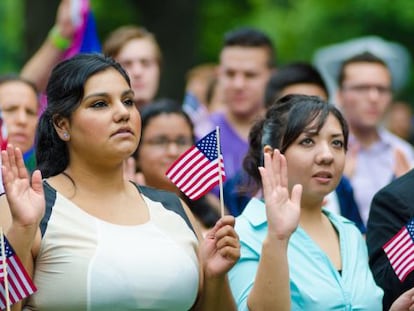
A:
(400, 251)
(15, 283)
(199, 169)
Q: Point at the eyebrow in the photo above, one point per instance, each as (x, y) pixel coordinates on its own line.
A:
(103, 94)
(313, 132)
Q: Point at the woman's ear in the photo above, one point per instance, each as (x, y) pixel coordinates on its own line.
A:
(61, 126)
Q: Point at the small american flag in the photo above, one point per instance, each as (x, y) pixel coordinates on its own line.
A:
(197, 171)
(20, 284)
(400, 251)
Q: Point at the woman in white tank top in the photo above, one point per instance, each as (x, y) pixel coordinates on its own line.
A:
(90, 239)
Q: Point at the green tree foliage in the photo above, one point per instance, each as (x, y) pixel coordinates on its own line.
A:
(11, 29)
(298, 27)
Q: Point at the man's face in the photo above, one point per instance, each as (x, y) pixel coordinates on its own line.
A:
(243, 75)
(139, 59)
(19, 105)
(365, 94)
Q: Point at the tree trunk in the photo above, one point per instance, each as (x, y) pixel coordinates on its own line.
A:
(39, 18)
(174, 25)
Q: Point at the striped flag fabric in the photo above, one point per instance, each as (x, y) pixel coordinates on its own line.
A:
(20, 284)
(400, 251)
(198, 169)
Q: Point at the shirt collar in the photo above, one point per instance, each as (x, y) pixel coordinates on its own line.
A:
(255, 212)
(385, 138)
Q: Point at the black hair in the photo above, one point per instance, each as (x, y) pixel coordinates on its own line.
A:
(283, 123)
(290, 74)
(65, 91)
(364, 57)
(250, 37)
(163, 106)
(158, 107)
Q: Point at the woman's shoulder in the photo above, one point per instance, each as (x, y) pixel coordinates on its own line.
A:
(169, 201)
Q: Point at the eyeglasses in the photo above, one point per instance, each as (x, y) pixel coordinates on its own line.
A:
(163, 142)
(364, 89)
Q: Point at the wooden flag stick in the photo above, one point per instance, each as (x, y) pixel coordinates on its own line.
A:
(6, 279)
(220, 172)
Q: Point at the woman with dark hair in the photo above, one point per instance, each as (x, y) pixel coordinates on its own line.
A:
(295, 255)
(91, 239)
(167, 132)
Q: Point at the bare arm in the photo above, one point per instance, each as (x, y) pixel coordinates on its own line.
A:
(271, 289)
(39, 66)
(21, 214)
(218, 253)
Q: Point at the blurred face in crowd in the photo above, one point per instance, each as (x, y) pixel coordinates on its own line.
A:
(19, 107)
(139, 59)
(164, 139)
(243, 75)
(365, 94)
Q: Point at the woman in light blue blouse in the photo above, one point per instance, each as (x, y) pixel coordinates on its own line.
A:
(296, 255)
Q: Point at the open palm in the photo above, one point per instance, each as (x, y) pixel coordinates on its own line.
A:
(282, 209)
(25, 198)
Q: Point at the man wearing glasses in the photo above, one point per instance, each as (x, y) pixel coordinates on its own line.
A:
(375, 156)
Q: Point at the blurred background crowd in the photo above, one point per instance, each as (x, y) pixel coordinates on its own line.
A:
(190, 32)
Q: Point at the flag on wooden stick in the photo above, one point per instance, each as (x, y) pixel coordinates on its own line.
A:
(400, 251)
(15, 282)
(200, 168)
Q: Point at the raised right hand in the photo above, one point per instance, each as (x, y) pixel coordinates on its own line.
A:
(26, 200)
(282, 209)
(401, 164)
(64, 20)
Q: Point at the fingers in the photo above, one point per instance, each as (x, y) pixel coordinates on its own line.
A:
(229, 248)
(226, 238)
(21, 167)
(9, 169)
(12, 159)
(37, 184)
(296, 194)
(283, 171)
(226, 220)
(275, 172)
(401, 165)
(267, 175)
(276, 166)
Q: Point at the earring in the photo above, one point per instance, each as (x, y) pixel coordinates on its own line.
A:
(66, 136)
